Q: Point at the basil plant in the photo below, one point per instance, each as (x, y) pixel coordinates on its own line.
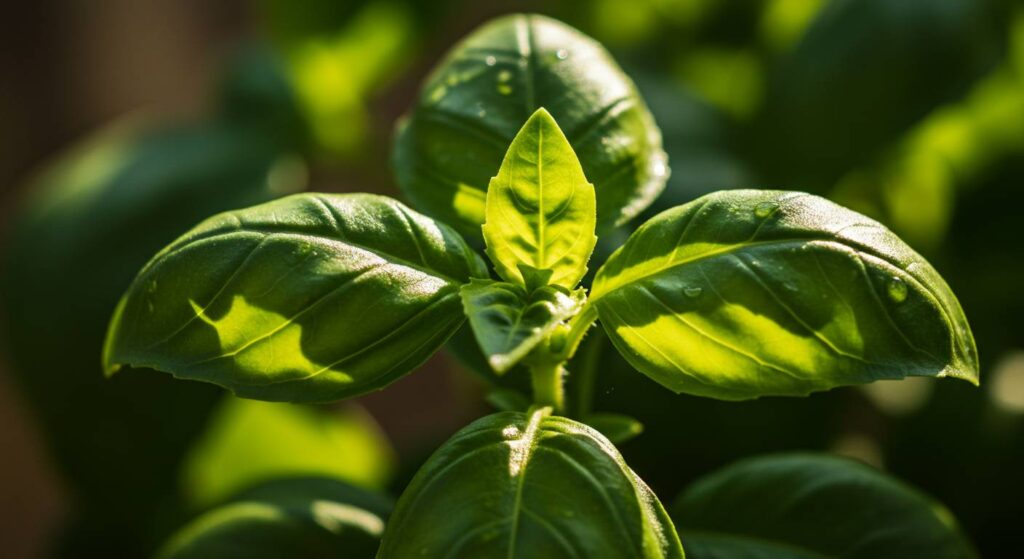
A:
(529, 138)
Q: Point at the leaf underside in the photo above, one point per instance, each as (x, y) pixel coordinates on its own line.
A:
(310, 298)
(514, 485)
(748, 293)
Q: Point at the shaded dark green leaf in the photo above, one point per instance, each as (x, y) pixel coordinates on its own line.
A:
(297, 518)
(453, 141)
(808, 506)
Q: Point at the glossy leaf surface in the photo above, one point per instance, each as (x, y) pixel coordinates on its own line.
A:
(808, 506)
(476, 100)
(309, 298)
(540, 209)
(748, 293)
(248, 442)
(300, 518)
(514, 485)
(508, 323)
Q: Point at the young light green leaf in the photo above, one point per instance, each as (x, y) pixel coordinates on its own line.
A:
(618, 427)
(471, 106)
(514, 485)
(541, 211)
(804, 506)
(309, 298)
(247, 442)
(302, 518)
(748, 293)
(508, 323)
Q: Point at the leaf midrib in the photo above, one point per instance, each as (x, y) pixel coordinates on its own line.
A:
(269, 232)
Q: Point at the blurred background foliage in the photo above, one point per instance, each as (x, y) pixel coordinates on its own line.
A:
(911, 111)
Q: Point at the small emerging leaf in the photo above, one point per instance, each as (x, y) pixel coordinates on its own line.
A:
(508, 323)
(300, 518)
(803, 506)
(514, 485)
(309, 298)
(540, 209)
(618, 427)
(748, 293)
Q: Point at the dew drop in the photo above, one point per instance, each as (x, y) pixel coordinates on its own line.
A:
(693, 291)
(561, 54)
(897, 290)
(490, 61)
(504, 89)
(764, 209)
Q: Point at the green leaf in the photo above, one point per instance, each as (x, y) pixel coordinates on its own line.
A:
(248, 442)
(809, 506)
(514, 485)
(475, 101)
(748, 293)
(299, 518)
(540, 209)
(618, 427)
(309, 298)
(509, 324)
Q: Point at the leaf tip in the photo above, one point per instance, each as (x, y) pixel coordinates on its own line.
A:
(500, 363)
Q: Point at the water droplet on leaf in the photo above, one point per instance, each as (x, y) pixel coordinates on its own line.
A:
(490, 61)
(897, 290)
(562, 54)
(693, 291)
(764, 209)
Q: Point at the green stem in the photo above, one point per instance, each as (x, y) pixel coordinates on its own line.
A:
(578, 327)
(548, 389)
(585, 377)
